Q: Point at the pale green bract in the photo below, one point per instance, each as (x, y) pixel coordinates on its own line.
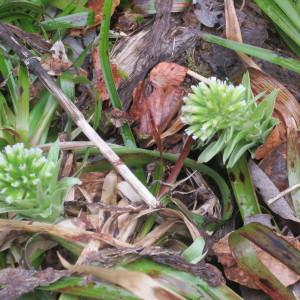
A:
(227, 118)
(29, 183)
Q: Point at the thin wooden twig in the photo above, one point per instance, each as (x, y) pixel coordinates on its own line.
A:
(33, 64)
(284, 193)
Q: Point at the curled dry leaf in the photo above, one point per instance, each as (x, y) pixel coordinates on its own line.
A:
(158, 109)
(58, 62)
(283, 273)
(16, 281)
(140, 284)
(98, 75)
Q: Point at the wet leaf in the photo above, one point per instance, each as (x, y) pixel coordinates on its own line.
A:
(162, 105)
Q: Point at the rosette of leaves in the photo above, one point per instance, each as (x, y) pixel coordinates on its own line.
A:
(29, 185)
(227, 118)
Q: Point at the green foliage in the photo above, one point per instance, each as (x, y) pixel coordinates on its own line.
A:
(29, 183)
(227, 118)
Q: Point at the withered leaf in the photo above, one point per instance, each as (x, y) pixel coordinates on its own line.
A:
(17, 281)
(162, 105)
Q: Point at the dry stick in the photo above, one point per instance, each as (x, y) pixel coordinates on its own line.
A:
(35, 67)
(283, 193)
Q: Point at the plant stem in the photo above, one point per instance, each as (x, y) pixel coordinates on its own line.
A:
(243, 189)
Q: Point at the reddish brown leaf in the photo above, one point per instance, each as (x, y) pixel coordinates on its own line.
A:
(97, 7)
(98, 75)
(163, 103)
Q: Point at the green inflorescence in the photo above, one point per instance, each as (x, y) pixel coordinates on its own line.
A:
(227, 118)
(29, 183)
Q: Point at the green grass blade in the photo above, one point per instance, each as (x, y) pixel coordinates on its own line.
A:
(290, 23)
(77, 20)
(186, 284)
(243, 189)
(6, 69)
(264, 54)
(126, 132)
(40, 118)
(22, 112)
(93, 290)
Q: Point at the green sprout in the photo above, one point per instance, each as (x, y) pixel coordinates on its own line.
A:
(29, 185)
(227, 118)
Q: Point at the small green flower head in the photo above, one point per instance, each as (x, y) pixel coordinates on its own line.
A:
(28, 184)
(228, 118)
(22, 171)
(212, 107)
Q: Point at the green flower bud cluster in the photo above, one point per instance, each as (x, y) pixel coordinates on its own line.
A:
(29, 185)
(228, 118)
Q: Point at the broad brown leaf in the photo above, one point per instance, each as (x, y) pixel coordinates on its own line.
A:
(158, 108)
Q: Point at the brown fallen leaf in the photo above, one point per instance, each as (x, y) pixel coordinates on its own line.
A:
(97, 7)
(16, 281)
(284, 274)
(98, 75)
(161, 106)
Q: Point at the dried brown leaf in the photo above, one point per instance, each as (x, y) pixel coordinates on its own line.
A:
(163, 104)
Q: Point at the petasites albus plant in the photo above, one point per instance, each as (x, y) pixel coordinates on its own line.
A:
(226, 118)
(29, 185)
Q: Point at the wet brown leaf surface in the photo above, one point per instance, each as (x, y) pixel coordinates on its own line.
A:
(157, 109)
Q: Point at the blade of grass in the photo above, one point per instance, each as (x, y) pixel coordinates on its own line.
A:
(186, 284)
(264, 54)
(243, 189)
(22, 112)
(284, 16)
(6, 70)
(95, 290)
(76, 20)
(126, 132)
